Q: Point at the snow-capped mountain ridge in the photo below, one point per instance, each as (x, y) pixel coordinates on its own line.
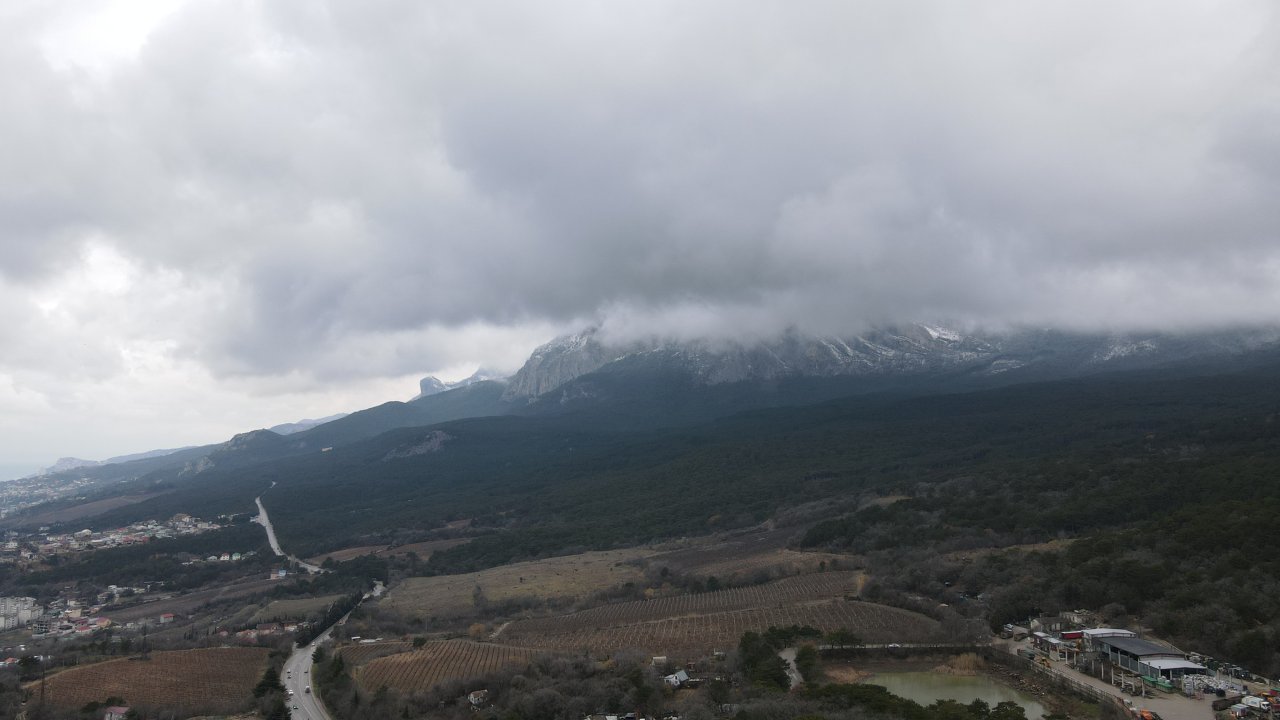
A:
(905, 350)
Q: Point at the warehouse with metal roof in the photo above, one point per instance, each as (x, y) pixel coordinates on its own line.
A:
(1146, 658)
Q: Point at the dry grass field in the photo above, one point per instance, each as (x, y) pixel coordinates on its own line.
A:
(296, 609)
(1049, 546)
(423, 550)
(732, 566)
(561, 578)
(209, 680)
(747, 557)
(346, 554)
(185, 604)
(439, 662)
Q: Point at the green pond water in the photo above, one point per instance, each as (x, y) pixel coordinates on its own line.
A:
(928, 687)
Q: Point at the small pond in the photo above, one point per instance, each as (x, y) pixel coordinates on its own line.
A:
(928, 687)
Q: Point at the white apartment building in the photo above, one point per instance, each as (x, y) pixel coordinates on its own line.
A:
(18, 611)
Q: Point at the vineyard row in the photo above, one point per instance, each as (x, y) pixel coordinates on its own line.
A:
(782, 592)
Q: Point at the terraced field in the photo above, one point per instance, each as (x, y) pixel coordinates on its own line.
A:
(690, 626)
(439, 662)
(692, 636)
(788, 591)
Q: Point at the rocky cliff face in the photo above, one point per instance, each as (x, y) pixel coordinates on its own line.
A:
(432, 385)
(560, 361)
(906, 350)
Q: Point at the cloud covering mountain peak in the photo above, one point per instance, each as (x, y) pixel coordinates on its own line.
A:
(283, 198)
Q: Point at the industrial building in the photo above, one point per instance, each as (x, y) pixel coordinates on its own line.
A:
(1143, 656)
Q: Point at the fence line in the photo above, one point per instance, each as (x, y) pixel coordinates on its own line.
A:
(1112, 705)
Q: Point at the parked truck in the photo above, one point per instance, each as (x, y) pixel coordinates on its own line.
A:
(1225, 702)
(1256, 703)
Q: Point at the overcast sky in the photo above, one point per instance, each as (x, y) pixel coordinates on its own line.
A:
(220, 215)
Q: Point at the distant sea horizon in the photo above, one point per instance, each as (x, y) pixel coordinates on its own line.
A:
(16, 471)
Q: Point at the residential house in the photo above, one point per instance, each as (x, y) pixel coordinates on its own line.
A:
(676, 679)
(1048, 624)
(1079, 617)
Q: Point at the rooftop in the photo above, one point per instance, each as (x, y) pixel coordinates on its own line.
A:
(1107, 632)
(1174, 664)
(1139, 647)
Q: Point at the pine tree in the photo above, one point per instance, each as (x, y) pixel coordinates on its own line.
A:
(269, 683)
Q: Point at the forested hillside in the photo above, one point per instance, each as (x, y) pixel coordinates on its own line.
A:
(1165, 482)
(1018, 464)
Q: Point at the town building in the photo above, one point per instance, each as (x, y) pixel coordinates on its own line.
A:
(18, 611)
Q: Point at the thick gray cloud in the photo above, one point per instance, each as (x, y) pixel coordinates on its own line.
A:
(300, 193)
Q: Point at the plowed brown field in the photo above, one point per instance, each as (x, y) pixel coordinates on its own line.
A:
(210, 680)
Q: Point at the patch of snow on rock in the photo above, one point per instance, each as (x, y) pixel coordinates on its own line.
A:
(941, 333)
(1122, 349)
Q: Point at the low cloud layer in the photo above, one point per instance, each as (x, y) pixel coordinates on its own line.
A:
(303, 202)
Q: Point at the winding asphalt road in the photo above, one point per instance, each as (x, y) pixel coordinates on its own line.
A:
(297, 672)
(303, 702)
(265, 522)
(297, 679)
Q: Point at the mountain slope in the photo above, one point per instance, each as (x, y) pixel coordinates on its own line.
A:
(546, 484)
(668, 390)
(478, 399)
(297, 427)
(654, 384)
(191, 465)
